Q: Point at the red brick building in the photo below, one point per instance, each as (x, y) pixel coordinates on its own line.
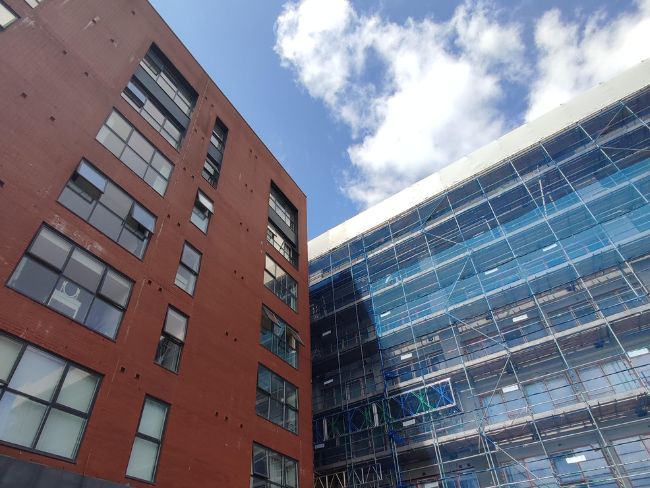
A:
(154, 307)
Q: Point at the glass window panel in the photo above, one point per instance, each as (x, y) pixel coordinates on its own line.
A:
(6, 16)
(51, 248)
(291, 395)
(144, 218)
(191, 258)
(9, 350)
(176, 324)
(84, 269)
(76, 203)
(290, 473)
(106, 221)
(185, 279)
(37, 374)
(275, 467)
(117, 200)
(152, 421)
(133, 243)
(33, 279)
(260, 461)
(104, 318)
(116, 287)
(78, 389)
(160, 163)
(141, 146)
(92, 176)
(135, 162)
(110, 141)
(200, 219)
(70, 299)
(19, 419)
(156, 181)
(61, 434)
(168, 354)
(119, 125)
(142, 462)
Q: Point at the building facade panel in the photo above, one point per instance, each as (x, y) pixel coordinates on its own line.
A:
(65, 65)
(495, 334)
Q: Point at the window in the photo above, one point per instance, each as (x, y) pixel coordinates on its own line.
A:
(279, 282)
(212, 165)
(210, 171)
(202, 211)
(271, 469)
(146, 447)
(127, 144)
(172, 339)
(277, 399)
(188, 269)
(279, 338)
(97, 200)
(281, 206)
(7, 17)
(172, 83)
(34, 3)
(277, 239)
(64, 277)
(153, 112)
(45, 401)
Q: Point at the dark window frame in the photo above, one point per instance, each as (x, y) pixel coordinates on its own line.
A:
(292, 283)
(52, 268)
(166, 336)
(288, 209)
(97, 202)
(195, 273)
(204, 209)
(272, 484)
(285, 405)
(285, 247)
(52, 403)
(288, 331)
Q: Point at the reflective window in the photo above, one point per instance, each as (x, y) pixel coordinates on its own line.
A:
(188, 269)
(277, 399)
(101, 203)
(202, 211)
(45, 401)
(281, 206)
(34, 3)
(7, 17)
(279, 338)
(64, 277)
(148, 439)
(211, 170)
(128, 145)
(279, 282)
(278, 240)
(153, 112)
(168, 78)
(270, 469)
(172, 340)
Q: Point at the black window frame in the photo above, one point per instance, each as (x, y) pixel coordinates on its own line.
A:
(52, 403)
(255, 475)
(40, 261)
(195, 273)
(280, 201)
(167, 337)
(128, 223)
(205, 209)
(261, 392)
(284, 246)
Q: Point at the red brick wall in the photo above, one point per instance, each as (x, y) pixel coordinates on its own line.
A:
(62, 68)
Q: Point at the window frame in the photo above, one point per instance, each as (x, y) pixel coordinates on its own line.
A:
(6, 7)
(292, 304)
(169, 337)
(285, 405)
(288, 330)
(52, 403)
(256, 475)
(158, 442)
(52, 268)
(289, 250)
(205, 208)
(280, 201)
(96, 202)
(213, 179)
(190, 270)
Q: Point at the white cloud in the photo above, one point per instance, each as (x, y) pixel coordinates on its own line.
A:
(574, 56)
(421, 94)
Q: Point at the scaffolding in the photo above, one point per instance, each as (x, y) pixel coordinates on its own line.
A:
(497, 334)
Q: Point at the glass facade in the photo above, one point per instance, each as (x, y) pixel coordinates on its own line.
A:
(494, 335)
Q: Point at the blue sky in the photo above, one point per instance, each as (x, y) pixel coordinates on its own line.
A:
(358, 99)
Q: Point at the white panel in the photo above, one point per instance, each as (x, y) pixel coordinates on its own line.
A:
(519, 318)
(408, 422)
(576, 459)
(638, 352)
(408, 355)
(508, 389)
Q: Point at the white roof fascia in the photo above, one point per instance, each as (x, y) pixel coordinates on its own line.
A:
(517, 140)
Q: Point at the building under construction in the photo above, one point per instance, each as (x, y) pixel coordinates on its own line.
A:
(490, 325)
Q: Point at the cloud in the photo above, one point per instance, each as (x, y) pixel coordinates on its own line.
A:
(418, 95)
(576, 55)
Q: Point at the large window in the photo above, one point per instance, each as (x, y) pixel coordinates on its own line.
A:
(7, 17)
(167, 78)
(279, 241)
(64, 277)
(281, 206)
(101, 203)
(277, 399)
(153, 112)
(172, 340)
(202, 211)
(148, 439)
(188, 269)
(214, 158)
(279, 282)
(279, 338)
(271, 469)
(45, 401)
(130, 147)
